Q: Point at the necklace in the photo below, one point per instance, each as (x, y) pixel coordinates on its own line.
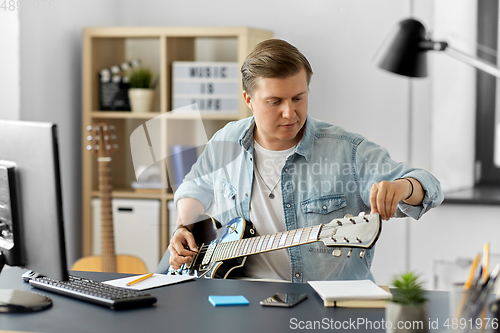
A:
(271, 194)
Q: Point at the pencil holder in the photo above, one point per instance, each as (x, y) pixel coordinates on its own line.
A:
(495, 311)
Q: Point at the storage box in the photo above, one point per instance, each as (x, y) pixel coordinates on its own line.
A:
(136, 225)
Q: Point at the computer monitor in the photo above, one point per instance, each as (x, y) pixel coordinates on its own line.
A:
(31, 212)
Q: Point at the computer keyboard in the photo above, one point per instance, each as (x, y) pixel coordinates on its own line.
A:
(94, 292)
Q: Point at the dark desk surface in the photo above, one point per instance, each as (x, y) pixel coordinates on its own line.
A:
(184, 307)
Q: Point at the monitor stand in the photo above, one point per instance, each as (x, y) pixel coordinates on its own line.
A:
(21, 301)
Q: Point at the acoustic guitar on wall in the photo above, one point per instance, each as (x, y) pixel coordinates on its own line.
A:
(103, 147)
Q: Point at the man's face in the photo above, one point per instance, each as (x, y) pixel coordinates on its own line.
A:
(280, 110)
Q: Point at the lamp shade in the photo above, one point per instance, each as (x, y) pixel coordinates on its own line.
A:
(403, 54)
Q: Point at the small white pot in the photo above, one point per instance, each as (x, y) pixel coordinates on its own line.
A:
(141, 100)
(406, 318)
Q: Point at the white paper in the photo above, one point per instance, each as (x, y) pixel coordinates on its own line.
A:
(157, 280)
(349, 290)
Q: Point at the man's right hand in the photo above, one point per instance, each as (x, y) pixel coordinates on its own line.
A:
(182, 247)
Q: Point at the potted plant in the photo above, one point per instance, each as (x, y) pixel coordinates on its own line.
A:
(142, 88)
(407, 310)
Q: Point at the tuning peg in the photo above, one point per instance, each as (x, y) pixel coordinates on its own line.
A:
(337, 252)
(362, 214)
(349, 253)
(89, 138)
(112, 127)
(89, 147)
(346, 216)
(89, 128)
(113, 137)
(108, 147)
(362, 253)
(115, 146)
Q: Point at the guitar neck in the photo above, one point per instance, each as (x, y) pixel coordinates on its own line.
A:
(260, 244)
(107, 232)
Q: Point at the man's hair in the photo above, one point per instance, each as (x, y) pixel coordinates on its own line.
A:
(273, 58)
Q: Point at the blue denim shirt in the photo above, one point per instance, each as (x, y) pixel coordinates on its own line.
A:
(329, 174)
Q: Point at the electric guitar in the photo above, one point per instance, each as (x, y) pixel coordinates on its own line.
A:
(220, 257)
(103, 147)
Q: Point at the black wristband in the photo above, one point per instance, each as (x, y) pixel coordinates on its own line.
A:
(411, 193)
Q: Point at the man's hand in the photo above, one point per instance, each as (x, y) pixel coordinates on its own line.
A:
(179, 254)
(385, 196)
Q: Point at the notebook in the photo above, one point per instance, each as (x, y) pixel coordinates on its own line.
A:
(357, 293)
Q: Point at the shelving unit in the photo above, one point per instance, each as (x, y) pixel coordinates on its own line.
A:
(157, 47)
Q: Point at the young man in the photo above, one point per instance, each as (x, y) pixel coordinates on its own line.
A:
(283, 170)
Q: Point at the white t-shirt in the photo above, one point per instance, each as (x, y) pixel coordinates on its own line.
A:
(267, 214)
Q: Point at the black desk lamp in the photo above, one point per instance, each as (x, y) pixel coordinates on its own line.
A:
(406, 52)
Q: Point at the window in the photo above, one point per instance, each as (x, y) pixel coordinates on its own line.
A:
(487, 118)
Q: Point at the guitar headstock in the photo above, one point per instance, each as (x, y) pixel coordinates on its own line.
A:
(352, 232)
(103, 139)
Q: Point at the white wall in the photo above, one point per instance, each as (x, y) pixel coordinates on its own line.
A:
(454, 99)
(9, 65)
(451, 231)
(51, 61)
(339, 38)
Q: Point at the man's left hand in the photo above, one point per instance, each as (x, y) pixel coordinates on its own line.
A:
(385, 196)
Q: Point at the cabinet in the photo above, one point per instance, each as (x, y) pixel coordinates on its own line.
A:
(157, 47)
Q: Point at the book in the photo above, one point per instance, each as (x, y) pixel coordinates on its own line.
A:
(366, 303)
(357, 293)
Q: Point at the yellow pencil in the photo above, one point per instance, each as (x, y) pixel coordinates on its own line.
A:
(467, 285)
(472, 271)
(486, 261)
(142, 278)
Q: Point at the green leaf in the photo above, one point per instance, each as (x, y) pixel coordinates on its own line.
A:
(408, 290)
(142, 77)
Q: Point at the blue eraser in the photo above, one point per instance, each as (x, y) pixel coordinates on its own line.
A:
(228, 300)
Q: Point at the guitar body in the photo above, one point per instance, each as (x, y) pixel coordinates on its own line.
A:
(205, 233)
(124, 264)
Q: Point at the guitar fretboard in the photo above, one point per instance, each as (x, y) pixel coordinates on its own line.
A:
(281, 240)
(107, 237)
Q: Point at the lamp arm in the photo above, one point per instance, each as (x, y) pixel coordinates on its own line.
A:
(488, 67)
(475, 62)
